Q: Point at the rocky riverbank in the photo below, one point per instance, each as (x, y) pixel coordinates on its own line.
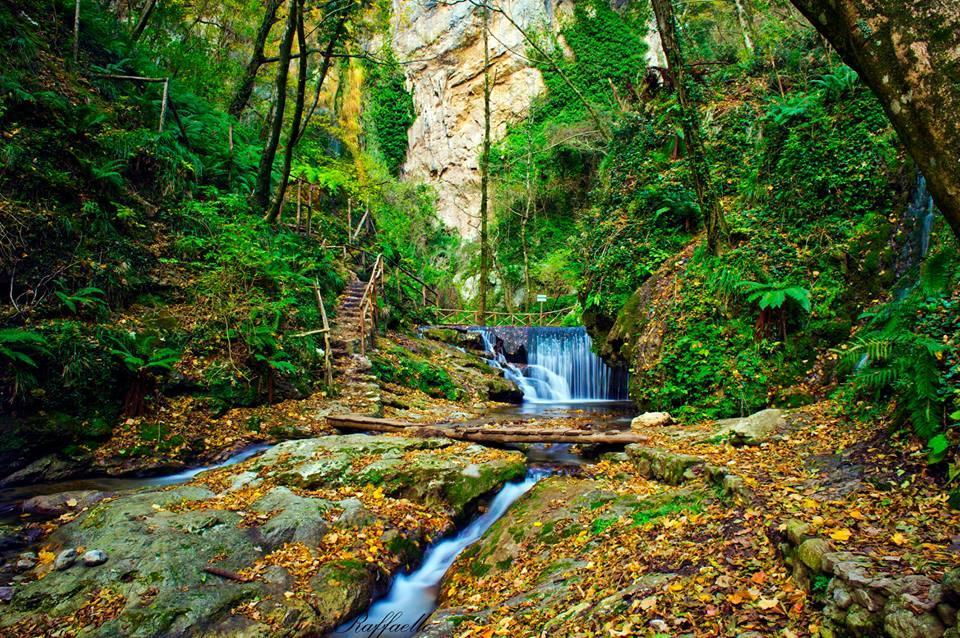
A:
(288, 543)
(782, 524)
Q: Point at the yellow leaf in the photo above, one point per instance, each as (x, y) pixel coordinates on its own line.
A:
(857, 514)
(71, 502)
(767, 603)
(45, 556)
(899, 539)
(842, 534)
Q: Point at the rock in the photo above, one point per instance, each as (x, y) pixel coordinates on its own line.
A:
(503, 390)
(160, 542)
(651, 420)
(869, 600)
(48, 469)
(861, 621)
(951, 580)
(54, 505)
(797, 531)
(65, 559)
(94, 557)
(25, 564)
(841, 596)
(662, 465)
(919, 592)
(811, 552)
(900, 621)
(947, 614)
(294, 519)
(6, 594)
(752, 430)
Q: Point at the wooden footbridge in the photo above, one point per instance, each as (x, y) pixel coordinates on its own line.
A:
(486, 433)
(458, 317)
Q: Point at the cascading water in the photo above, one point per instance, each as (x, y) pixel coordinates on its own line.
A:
(413, 596)
(561, 367)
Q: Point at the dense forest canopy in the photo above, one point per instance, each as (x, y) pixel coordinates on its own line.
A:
(220, 224)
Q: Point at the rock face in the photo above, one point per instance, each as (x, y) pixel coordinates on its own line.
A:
(651, 420)
(54, 505)
(447, 88)
(290, 543)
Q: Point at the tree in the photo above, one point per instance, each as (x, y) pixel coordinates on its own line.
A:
(485, 172)
(245, 86)
(261, 195)
(906, 51)
(690, 121)
(294, 135)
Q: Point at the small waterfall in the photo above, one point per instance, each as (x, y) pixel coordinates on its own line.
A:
(413, 596)
(918, 222)
(561, 367)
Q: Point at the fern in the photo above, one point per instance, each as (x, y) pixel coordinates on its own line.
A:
(837, 84)
(17, 346)
(774, 295)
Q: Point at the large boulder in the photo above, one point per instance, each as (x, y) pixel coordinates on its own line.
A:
(751, 430)
(663, 465)
(651, 420)
(54, 505)
(290, 543)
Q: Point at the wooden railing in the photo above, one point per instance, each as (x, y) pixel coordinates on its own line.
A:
(498, 318)
(369, 312)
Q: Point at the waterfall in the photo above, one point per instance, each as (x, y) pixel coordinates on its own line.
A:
(918, 221)
(560, 367)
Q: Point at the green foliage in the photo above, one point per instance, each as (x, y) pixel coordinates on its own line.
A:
(773, 295)
(389, 111)
(17, 346)
(141, 352)
(396, 365)
(89, 297)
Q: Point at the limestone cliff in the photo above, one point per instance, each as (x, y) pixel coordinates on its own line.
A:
(445, 43)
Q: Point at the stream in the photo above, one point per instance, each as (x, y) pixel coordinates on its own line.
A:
(413, 596)
(560, 377)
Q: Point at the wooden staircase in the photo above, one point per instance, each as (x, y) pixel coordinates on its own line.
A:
(358, 387)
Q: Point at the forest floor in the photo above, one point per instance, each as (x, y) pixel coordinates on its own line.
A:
(686, 560)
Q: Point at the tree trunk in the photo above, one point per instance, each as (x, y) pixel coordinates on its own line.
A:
(294, 135)
(485, 172)
(908, 53)
(325, 68)
(746, 27)
(261, 195)
(245, 87)
(524, 220)
(144, 19)
(690, 120)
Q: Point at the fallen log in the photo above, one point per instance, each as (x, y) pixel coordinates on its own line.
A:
(486, 435)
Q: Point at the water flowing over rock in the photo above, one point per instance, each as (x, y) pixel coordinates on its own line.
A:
(555, 364)
(289, 543)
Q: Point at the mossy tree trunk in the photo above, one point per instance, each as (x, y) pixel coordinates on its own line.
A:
(485, 173)
(261, 195)
(274, 212)
(713, 216)
(908, 53)
(245, 86)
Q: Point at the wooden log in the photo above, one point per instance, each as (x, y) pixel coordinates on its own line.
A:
(362, 423)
